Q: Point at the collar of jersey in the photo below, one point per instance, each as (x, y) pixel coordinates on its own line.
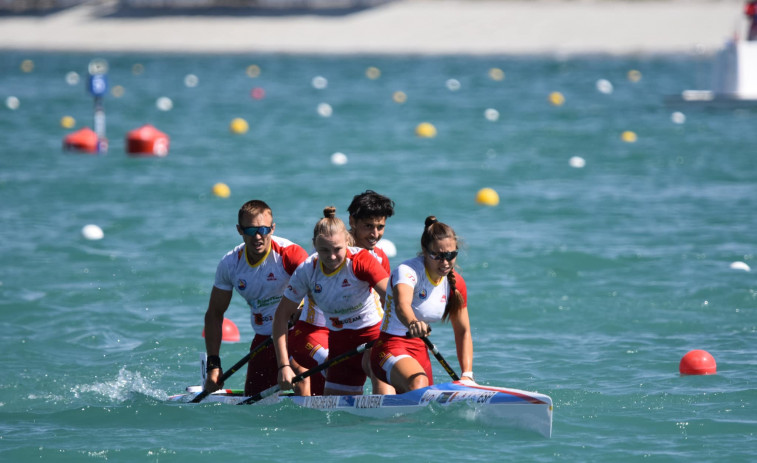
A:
(265, 256)
(335, 271)
(430, 279)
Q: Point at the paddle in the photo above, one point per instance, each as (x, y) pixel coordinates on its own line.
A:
(328, 363)
(439, 357)
(226, 374)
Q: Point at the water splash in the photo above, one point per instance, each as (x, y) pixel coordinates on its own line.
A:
(122, 388)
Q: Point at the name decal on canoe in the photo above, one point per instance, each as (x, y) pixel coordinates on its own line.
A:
(444, 397)
(368, 401)
(326, 401)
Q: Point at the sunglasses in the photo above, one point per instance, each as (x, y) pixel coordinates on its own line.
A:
(449, 256)
(252, 231)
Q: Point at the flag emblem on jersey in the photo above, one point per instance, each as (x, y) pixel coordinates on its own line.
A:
(345, 283)
(241, 284)
(271, 277)
(423, 294)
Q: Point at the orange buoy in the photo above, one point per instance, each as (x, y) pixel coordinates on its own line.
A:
(83, 140)
(147, 141)
(698, 362)
(230, 332)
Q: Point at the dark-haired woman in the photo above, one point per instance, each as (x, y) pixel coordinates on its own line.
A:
(423, 290)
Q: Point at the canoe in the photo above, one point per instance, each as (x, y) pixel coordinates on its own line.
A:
(491, 405)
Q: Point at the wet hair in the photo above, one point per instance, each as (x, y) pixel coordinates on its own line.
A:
(433, 231)
(252, 208)
(370, 204)
(331, 225)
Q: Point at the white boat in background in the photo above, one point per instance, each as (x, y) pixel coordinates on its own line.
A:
(734, 77)
(493, 406)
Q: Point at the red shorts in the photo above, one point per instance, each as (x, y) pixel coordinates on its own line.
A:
(262, 371)
(389, 348)
(309, 346)
(349, 375)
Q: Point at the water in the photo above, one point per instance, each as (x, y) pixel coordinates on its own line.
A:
(585, 284)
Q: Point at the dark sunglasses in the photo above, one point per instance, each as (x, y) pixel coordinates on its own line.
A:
(449, 256)
(252, 231)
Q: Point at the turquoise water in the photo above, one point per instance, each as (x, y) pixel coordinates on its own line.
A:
(587, 284)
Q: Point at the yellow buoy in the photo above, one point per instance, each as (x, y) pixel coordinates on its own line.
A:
(496, 74)
(487, 197)
(628, 136)
(556, 98)
(425, 130)
(239, 126)
(373, 73)
(27, 65)
(117, 91)
(399, 97)
(634, 75)
(221, 190)
(67, 122)
(253, 71)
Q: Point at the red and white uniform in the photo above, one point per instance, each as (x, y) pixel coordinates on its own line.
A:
(351, 308)
(309, 339)
(429, 301)
(261, 285)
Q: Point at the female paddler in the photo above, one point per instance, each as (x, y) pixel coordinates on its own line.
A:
(421, 291)
(347, 283)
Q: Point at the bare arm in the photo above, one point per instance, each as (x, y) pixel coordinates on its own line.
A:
(463, 339)
(284, 312)
(403, 300)
(219, 302)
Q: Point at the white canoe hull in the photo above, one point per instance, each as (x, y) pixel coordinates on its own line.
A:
(491, 405)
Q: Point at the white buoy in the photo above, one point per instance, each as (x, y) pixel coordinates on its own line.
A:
(604, 86)
(339, 159)
(12, 103)
(738, 265)
(678, 117)
(491, 114)
(72, 78)
(577, 162)
(325, 110)
(388, 247)
(164, 103)
(92, 232)
(453, 85)
(191, 80)
(320, 82)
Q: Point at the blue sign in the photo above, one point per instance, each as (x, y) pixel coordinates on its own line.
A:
(98, 85)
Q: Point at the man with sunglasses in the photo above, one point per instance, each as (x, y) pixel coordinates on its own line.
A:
(259, 270)
(423, 290)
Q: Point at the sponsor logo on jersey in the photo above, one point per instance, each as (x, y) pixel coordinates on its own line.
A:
(345, 283)
(271, 277)
(444, 298)
(241, 284)
(317, 288)
(423, 294)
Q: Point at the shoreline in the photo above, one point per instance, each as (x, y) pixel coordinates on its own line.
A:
(402, 27)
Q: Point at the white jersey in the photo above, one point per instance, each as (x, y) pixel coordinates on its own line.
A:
(346, 296)
(263, 283)
(429, 299)
(313, 315)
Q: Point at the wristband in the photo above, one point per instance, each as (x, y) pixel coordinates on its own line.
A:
(213, 362)
(468, 374)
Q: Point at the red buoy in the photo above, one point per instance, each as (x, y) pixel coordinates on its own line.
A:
(147, 141)
(230, 332)
(697, 362)
(83, 140)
